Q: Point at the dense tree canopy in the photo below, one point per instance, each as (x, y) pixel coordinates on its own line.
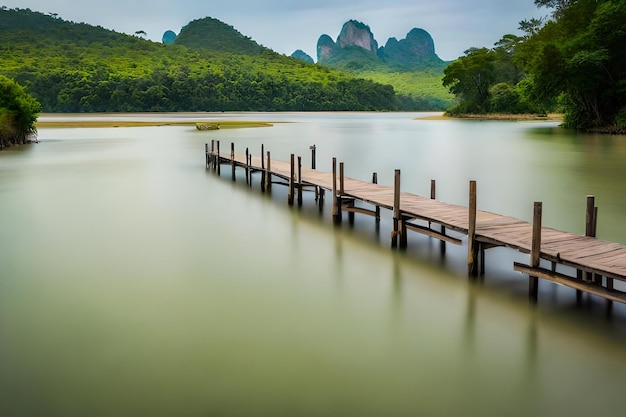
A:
(579, 57)
(18, 113)
(574, 61)
(79, 68)
(74, 67)
(488, 81)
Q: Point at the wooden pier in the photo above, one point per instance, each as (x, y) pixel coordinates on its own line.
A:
(596, 264)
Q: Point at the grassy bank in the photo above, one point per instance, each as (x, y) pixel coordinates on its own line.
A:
(125, 123)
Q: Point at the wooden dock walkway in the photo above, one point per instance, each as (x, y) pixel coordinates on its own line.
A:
(596, 263)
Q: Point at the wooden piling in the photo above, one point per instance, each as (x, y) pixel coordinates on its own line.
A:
(336, 212)
(248, 166)
(263, 173)
(290, 195)
(610, 285)
(472, 246)
(232, 159)
(218, 162)
(250, 169)
(404, 236)
(336, 205)
(206, 154)
(590, 216)
(433, 196)
(299, 181)
(341, 178)
(312, 156)
(535, 253)
(590, 213)
(377, 209)
(213, 153)
(268, 176)
(396, 209)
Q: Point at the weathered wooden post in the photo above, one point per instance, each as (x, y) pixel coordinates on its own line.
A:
(290, 195)
(591, 229)
(263, 173)
(472, 245)
(299, 181)
(213, 153)
(312, 148)
(341, 178)
(404, 236)
(250, 168)
(535, 252)
(232, 159)
(248, 181)
(206, 154)
(396, 209)
(377, 209)
(341, 200)
(433, 196)
(317, 190)
(336, 206)
(217, 160)
(610, 285)
(268, 176)
(590, 216)
(591, 224)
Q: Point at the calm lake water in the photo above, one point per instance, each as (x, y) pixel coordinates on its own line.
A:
(134, 282)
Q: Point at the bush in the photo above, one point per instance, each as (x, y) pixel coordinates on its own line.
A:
(18, 113)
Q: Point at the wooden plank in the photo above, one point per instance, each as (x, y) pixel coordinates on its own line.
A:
(609, 294)
(433, 233)
(360, 210)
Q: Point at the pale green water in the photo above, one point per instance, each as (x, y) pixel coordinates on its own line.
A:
(136, 283)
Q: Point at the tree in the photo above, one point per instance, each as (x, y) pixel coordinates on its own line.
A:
(579, 56)
(469, 78)
(18, 113)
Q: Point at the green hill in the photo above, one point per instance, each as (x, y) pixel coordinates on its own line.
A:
(212, 34)
(76, 67)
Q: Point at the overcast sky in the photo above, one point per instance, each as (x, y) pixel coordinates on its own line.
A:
(287, 25)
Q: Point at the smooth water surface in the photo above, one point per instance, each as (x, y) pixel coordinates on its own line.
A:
(134, 282)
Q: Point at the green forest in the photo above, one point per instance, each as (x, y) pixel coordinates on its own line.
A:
(572, 62)
(75, 67)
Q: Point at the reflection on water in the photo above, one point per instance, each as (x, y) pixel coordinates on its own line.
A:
(134, 282)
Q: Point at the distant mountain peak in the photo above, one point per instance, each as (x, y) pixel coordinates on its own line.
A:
(357, 48)
(215, 35)
(302, 56)
(355, 33)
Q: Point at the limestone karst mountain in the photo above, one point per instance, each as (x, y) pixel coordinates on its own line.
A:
(356, 48)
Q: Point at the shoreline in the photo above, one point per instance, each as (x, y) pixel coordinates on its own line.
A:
(496, 117)
(224, 124)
